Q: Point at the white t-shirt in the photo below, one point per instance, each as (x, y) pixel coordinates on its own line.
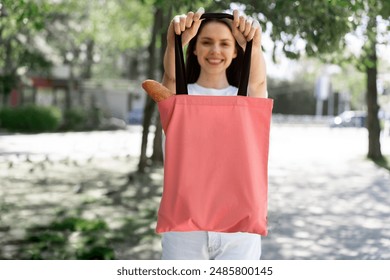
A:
(195, 89)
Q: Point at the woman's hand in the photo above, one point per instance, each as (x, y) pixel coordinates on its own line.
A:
(245, 29)
(186, 25)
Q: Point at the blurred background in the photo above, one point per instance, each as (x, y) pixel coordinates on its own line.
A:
(80, 142)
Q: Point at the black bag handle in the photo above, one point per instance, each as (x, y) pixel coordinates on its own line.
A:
(180, 72)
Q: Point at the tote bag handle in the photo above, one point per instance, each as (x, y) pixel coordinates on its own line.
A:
(180, 72)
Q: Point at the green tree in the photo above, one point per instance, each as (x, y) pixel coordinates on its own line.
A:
(20, 22)
(91, 36)
(323, 26)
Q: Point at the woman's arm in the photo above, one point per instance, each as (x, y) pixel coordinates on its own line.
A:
(245, 29)
(188, 26)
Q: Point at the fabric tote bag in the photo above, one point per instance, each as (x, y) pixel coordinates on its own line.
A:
(216, 158)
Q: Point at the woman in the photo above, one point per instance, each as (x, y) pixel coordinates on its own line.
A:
(214, 54)
(224, 43)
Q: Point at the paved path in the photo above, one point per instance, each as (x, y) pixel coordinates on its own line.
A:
(77, 145)
(326, 201)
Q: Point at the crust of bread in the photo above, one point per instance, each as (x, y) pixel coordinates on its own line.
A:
(156, 90)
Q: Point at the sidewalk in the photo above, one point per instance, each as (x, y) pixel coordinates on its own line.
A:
(326, 201)
(60, 192)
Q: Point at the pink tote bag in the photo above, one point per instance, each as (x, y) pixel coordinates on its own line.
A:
(216, 159)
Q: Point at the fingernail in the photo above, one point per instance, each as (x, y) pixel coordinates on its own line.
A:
(200, 10)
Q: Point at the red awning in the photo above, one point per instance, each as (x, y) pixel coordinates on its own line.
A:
(41, 82)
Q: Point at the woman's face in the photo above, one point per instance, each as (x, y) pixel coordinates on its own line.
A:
(215, 48)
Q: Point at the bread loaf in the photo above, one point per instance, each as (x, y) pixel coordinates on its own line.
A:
(156, 90)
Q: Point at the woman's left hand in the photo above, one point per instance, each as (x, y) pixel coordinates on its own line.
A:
(245, 29)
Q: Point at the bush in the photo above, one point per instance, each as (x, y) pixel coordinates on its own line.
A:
(30, 118)
(74, 120)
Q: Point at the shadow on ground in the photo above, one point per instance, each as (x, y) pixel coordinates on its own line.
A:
(331, 214)
(92, 209)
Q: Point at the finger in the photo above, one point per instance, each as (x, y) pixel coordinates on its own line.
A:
(242, 24)
(256, 24)
(198, 14)
(251, 34)
(195, 27)
(182, 23)
(238, 36)
(176, 24)
(236, 20)
(189, 19)
(248, 27)
(257, 27)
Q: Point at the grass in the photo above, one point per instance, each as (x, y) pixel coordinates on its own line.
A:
(109, 217)
(68, 238)
(384, 162)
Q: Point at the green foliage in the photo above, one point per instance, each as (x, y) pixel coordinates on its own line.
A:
(79, 224)
(292, 97)
(322, 24)
(30, 119)
(383, 162)
(20, 22)
(186, 5)
(69, 238)
(7, 83)
(22, 16)
(74, 119)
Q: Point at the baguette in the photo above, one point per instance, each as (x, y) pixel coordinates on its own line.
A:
(156, 90)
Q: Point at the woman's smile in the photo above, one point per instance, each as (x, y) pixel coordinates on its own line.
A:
(214, 61)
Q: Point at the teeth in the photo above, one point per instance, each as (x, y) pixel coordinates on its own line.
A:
(214, 60)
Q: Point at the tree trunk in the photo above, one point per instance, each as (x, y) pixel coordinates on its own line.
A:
(87, 66)
(70, 88)
(157, 156)
(373, 125)
(148, 114)
(8, 77)
(8, 65)
(4, 100)
(132, 70)
(150, 105)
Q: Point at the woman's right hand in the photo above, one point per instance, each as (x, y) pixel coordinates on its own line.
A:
(186, 25)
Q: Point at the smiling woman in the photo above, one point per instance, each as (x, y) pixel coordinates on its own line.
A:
(200, 213)
(215, 52)
(210, 55)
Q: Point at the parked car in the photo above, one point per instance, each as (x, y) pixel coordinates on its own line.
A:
(350, 119)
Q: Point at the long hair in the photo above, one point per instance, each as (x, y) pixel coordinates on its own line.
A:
(233, 72)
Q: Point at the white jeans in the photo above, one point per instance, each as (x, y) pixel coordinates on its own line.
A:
(208, 245)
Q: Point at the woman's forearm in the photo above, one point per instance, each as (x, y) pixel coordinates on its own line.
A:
(169, 77)
(257, 86)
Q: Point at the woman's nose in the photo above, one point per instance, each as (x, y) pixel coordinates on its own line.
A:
(215, 48)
